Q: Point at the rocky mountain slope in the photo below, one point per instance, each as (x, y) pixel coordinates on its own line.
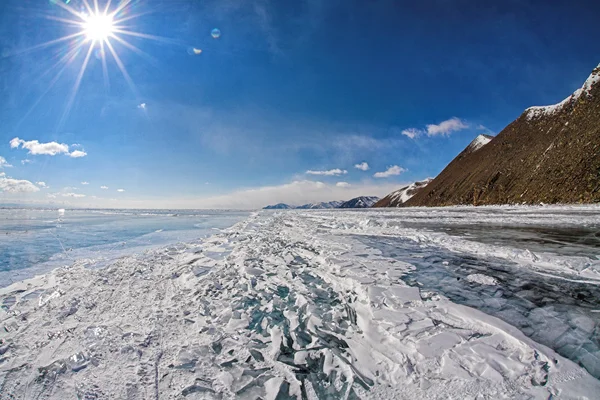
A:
(402, 195)
(549, 154)
(360, 202)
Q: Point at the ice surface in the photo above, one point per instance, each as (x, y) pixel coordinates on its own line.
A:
(296, 305)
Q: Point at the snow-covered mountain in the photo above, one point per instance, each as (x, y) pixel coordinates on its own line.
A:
(321, 205)
(402, 195)
(279, 206)
(360, 202)
(549, 154)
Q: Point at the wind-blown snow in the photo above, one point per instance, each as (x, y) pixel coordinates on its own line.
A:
(540, 111)
(287, 304)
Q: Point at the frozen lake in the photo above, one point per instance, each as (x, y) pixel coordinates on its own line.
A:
(36, 241)
(494, 302)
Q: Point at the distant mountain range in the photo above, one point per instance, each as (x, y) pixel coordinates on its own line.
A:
(358, 202)
(549, 154)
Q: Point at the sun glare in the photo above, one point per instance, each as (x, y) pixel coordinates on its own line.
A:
(98, 27)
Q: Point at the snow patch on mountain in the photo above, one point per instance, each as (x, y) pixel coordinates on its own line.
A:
(360, 202)
(402, 195)
(540, 111)
(479, 142)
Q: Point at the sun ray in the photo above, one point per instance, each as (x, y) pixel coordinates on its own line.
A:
(100, 25)
(89, 8)
(71, 56)
(122, 68)
(76, 85)
(145, 36)
(139, 52)
(48, 44)
(67, 8)
(104, 67)
(121, 7)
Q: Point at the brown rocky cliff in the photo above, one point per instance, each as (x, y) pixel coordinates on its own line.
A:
(549, 154)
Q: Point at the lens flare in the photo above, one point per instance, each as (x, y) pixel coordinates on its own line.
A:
(98, 27)
(95, 29)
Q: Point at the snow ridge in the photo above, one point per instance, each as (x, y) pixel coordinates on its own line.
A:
(540, 111)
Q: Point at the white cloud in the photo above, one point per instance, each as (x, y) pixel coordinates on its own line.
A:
(49, 149)
(295, 193)
(9, 185)
(342, 184)
(446, 127)
(74, 195)
(142, 106)
(76, 145)
(77, 154)
(51, 195)
(42, 185)
(120, 190)
(331, 172)
(4, 163)
(104, 187)
(391, 171)
(67, 188)
(85, 183)
(26, 161)
(412, 132)
(443, 128)
(363, 166)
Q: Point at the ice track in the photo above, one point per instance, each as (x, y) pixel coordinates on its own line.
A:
(283, 305)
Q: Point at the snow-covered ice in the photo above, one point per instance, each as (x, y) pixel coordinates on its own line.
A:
(311, 304)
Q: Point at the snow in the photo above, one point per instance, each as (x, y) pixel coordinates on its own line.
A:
(540, 111)
(404, 194)
(479, 142)
(288, 304)
(482, 279)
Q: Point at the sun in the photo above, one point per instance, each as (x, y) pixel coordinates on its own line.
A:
(98, 27)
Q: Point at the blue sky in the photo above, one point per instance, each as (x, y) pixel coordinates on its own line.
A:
(288, 87)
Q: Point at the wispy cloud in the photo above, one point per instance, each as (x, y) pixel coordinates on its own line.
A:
(444, 128)
(49, 148)
(4, 163)
(25, 161)
(331, 172)
(85, 183)
(412, 132)
(120, 190)
(42, 185)
(104, 187)
(74, 195)
(391, 171)
(10, 185)
(363, 166)
(343, 184)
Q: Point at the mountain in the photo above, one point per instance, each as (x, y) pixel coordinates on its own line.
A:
(402, 195)
(360, 202)
(549, 154)
(279, 206)
(321, 205)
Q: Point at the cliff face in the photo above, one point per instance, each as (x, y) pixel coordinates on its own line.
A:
(549, 154)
